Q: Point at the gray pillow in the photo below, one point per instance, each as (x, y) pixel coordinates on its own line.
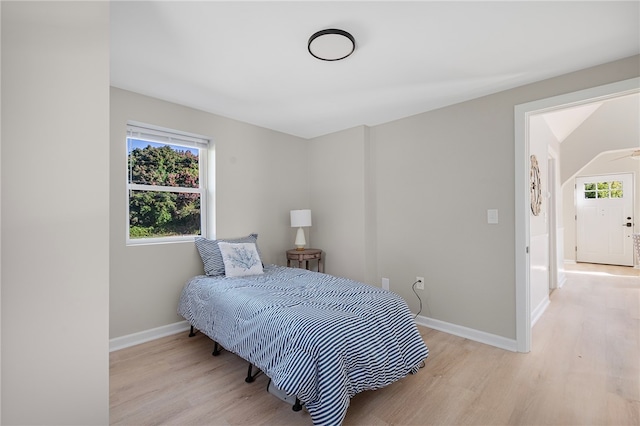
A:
(211, 255)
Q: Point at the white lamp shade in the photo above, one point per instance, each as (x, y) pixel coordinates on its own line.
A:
(300, 218)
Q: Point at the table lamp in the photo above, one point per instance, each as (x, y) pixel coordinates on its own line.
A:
(300, 219)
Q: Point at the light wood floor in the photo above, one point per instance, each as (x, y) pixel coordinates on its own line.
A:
(583, 370)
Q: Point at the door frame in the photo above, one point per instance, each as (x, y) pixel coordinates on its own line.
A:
(522, 114)
(552, 177)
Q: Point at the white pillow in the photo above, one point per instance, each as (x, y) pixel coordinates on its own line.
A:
(240, 259)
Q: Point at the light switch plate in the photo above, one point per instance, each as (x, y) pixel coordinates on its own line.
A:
(385, 283)
(492, 216)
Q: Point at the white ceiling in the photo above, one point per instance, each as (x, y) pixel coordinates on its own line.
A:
(249, 60)
(563, 122)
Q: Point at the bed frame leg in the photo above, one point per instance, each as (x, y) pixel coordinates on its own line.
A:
(250, 376)
(192, 332)
(297, 406)
(216, 349)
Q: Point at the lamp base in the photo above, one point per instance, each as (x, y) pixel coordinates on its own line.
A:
(300, 241)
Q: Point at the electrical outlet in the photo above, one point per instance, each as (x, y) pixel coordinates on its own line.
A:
(385, 283)
(420, 283)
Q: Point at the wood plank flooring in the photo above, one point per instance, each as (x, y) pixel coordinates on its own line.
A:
(584, 369)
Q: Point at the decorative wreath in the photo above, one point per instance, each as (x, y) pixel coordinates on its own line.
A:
(536, 194)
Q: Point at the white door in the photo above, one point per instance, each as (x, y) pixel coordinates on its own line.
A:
(604, 219)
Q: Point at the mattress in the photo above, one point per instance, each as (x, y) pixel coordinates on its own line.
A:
(319, 337)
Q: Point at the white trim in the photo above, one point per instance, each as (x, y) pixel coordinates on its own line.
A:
(554, 211)
(539, 310)
(159, 134)
(562, 280)
(134, 242)
(129, 340)
(468, 333)
(522, 237)
(522, 113)
(159, 188)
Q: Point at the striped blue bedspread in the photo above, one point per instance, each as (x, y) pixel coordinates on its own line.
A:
(319, 337)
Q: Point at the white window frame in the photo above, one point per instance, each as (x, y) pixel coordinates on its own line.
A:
(171, 137)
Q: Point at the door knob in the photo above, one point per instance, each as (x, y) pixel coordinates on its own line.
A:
(628, 224)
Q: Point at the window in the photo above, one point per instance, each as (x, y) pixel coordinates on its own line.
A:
(166, 185)
(611, 189)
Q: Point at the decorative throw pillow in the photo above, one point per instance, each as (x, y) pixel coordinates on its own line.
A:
(211, 256)
(240, 259)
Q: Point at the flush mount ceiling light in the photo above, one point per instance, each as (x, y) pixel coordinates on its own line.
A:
(331, 44)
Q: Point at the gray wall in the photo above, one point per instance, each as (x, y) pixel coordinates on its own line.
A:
(399, 200)
(428, 181)
(55, 213)
(260, 176)
(435, 175)
(338, 172)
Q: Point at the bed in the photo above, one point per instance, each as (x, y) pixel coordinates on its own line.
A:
(316, 336)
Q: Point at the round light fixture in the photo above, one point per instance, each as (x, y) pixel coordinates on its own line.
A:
(331, 44)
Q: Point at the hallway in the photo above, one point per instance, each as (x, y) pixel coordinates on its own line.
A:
(590, 337)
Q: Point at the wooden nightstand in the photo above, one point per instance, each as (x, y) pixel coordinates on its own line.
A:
(305, 256)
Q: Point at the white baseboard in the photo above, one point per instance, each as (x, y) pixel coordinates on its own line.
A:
(562, 279)
(147, 335)
(129, 340)
(468, 333)
(539, 310)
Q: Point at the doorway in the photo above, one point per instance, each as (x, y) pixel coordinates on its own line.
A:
(604, 219)
(523, 114)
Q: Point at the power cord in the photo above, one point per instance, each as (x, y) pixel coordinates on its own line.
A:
(413, 287)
